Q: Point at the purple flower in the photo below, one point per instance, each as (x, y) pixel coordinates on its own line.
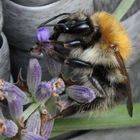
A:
(81, 94)
(8, 128)
(10, 91)
(47, 125)
(15, 107)
(44, 91)
(58, 85)
(33, 75)
(15, 97)
(42, 34)
(34, 123)
(31, 136)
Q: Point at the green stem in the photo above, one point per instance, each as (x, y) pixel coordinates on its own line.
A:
(122, 9)
(30, 110)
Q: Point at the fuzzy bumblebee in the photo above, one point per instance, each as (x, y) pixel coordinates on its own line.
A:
(94, 48)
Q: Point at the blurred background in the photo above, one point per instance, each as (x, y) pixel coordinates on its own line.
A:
(18, 22)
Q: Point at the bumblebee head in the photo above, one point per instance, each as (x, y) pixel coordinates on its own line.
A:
(100, 27)
(74, 27)
(76, 23)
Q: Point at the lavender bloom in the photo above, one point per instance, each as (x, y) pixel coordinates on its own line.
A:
(54, 67)
(11, 91)
(46, 129)
(81, 94)
(33, 75)
(8, 128)
(47, 125)
(44, 91)
(31, 136)
(43, 34)
(34, 123)
(15, 107)
(58, 85)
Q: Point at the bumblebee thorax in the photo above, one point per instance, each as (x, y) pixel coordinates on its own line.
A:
(112, 32)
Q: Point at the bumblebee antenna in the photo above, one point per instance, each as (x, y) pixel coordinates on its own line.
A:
(44, 23)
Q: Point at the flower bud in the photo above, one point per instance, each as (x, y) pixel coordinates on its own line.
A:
(8, 128)
(44, 91)
(34, 74)
(11, 91)
(58, 85)
(47, 125)
(31, 136)
(34, 123)
(81, 94)
(42, 34)
(15, 107)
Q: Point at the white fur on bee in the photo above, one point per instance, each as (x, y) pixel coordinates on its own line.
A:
(95, 55)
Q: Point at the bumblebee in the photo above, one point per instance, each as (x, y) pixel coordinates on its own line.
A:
(94, 47)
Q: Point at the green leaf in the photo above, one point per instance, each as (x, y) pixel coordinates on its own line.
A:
(114, 118)
(2, 138)
(122, 9)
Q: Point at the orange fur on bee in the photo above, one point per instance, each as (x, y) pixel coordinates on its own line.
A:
(113, 32)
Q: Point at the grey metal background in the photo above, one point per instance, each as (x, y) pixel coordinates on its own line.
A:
(4, 52)
(1, 17)
(34, 2)
(4, 59)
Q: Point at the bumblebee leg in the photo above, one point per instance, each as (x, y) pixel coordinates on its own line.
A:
(97, 85)
(55, 55)
(63, 51)
(71, 110)
(97, 104)
(77, 63)
(60, 47)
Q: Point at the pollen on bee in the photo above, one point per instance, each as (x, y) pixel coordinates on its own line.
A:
(113, 32)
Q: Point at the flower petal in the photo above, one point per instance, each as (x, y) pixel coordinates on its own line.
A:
(33, 75)
(31, 136)
(15, 107)
(43, 34)
(34, 123)
(44, 91)
(12, 90)
(8, 127)
(81, 94)
(58, 85)
(47, 126)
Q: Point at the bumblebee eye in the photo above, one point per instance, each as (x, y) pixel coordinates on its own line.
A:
(73, 26)
(97, 33)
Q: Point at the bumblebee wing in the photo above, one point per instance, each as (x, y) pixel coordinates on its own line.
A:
(127, 82)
